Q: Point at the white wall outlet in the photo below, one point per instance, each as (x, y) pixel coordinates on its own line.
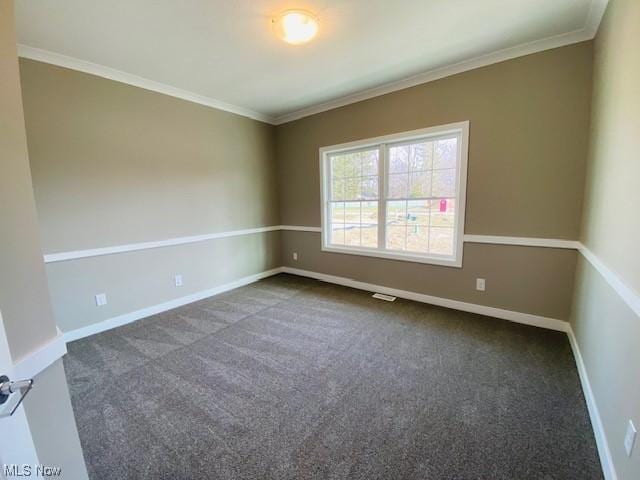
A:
(178, 280)
(101, 299)
(295, 256)
(630, 438)
(382, 296)
(480, 284)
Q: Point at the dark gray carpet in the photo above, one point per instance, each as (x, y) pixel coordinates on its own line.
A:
(290, 378)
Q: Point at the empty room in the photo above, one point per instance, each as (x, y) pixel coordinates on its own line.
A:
(320, 239)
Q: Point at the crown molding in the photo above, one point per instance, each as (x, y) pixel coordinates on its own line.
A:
(594, 18)
(439, 73)
(588, 32)
(442, 72)
(72, 63)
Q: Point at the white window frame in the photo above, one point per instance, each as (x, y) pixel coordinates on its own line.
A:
(461, 130)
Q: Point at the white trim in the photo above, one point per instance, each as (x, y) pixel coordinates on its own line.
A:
(631, 297)
(95, 252)
(461, 188)
(518, 317)
(544, 322)
(34, 362)
(120, 320)
(523, 241)
(393, 255)
(439, 73)
(490, 239)
(65, 61)
(615, 281)
(604, 452)
(596, 12)
(592, 22)
(21, 448)
(382, 143)
(436, 131)
(132, 247)
(298, 228)
(41, 358)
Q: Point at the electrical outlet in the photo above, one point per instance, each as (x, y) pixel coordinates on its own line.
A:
(630, 438)
(295, 256)
(382, 296)
(101, 299)
(178, 280)
(480, 284)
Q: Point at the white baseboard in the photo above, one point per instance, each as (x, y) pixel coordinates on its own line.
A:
(596, 422)
(114, 322)
(519, 317)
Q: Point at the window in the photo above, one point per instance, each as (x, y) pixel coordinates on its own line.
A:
(400, 196)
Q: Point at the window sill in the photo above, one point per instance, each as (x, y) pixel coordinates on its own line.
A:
(430, 260)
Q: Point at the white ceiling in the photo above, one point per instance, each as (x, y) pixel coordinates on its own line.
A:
(223, 52)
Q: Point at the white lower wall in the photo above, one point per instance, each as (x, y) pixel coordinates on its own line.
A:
(138, 280)
(603, 330)
(129, 317)
(606, 332)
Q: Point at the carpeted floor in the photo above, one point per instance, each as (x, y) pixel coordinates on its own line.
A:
(290, 378)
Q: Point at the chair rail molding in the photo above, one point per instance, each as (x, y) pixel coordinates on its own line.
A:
(132, 247)
(631, 297)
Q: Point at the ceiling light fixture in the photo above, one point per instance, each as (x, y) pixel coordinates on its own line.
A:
(296, 26)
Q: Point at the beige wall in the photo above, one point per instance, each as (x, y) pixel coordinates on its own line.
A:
(136, 280)
(24, 297)
(607, 333)
(28, 323)
(528, 141)
(523, 279)
(607, 330)
(114, 164)
(528, 144)
(612, 197)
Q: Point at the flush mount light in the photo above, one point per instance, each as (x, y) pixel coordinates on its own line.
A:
(296, 26)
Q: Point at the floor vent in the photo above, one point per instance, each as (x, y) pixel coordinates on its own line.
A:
(382, 296)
